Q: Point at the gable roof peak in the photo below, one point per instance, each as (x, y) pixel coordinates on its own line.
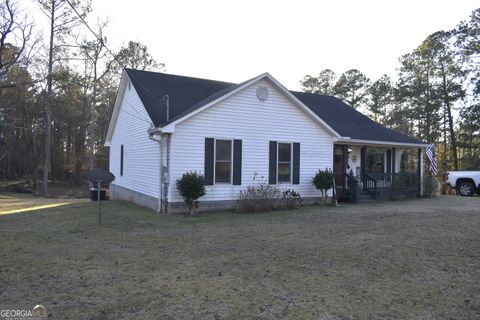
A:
(190, 95)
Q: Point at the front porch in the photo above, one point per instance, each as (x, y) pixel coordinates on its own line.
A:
(365, 172)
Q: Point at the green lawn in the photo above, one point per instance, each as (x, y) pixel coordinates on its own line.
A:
(392, 260)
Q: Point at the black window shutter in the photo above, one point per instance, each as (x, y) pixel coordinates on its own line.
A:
(209, 161)
(296, 163)
(272, 163)
(237, 162)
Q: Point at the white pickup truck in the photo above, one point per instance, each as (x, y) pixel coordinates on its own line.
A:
(466, 182)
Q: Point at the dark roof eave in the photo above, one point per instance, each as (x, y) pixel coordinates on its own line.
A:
(392, 143)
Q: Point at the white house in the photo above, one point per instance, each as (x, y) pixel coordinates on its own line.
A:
(164, 125)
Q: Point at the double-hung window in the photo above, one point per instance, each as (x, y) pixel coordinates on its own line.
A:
(223, 161)
(284, 163)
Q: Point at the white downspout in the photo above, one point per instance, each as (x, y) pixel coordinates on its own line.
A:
(167, 169)
(160, 169)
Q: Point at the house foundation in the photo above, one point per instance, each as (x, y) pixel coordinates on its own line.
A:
(121, 193)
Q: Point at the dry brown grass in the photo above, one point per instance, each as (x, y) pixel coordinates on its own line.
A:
(394, 260)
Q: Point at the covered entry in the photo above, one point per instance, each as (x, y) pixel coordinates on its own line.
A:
(383, 172)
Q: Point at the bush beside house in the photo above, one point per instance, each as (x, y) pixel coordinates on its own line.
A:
(191, 187)
(323, 181)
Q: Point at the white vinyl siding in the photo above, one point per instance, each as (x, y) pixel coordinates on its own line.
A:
(256, 123)
(140, 155)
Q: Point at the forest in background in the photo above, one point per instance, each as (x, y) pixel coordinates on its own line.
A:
(435, 95)
(57, 91)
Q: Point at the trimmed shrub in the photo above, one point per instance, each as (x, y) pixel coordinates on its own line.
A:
(191, 187)
(323, 180)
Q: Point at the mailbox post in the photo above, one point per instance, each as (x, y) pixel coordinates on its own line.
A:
(99, 186)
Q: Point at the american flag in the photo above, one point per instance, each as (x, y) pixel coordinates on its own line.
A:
(433, 160)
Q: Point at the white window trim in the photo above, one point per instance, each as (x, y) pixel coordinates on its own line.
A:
(291, 162)
(215, 161)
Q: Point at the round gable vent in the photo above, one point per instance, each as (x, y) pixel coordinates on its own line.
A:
(262, 93)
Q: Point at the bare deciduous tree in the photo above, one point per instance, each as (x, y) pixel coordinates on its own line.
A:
(15, 32)
(96, 52)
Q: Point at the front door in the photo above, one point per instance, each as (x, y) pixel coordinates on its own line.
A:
(339, 165)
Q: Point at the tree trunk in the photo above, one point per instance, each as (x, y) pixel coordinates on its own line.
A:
(445, 130)
(48, 106)
(93, 123)
(34, 160)
(79, 145)
(69, 154)
(80, 142)
(448, 108)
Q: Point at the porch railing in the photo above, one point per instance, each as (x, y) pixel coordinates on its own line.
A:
(346, 186)
(394, 183)
(379, 185)
(389, 180)
(352, 185)
(370, 185)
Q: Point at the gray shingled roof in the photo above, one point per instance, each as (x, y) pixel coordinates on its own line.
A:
(348, 122)
(187, 94)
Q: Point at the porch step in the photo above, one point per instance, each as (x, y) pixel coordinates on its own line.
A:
(364, 197)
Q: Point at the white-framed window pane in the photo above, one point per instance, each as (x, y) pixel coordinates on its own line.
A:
(223, 161)
(284, 152)
(284, 172)
(284, 162)
(222, 171)
(223, 150)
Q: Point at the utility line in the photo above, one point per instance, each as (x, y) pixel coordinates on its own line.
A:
(91, 30)
(136, 117)
(110, 51)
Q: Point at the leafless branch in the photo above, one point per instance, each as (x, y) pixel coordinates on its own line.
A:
(15, 33)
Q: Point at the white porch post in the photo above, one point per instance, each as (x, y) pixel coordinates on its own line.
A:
(420, 170)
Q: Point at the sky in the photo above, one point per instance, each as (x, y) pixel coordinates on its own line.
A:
(237, 40)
